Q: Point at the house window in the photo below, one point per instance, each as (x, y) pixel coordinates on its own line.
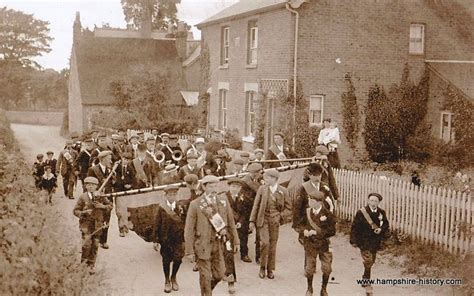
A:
(222, 109)
(316, 103)
(252, 43)
(251, 114)
(225, 46)
(417, 39)
(447, 128)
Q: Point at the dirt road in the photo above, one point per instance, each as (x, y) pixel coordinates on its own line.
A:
(132, 266)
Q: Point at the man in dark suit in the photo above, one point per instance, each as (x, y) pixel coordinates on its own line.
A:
(100, 172)
(191, 167)
(241, 205)
(81, 164)
(328, 173)
(316, 224)
(101, 146)
(278, 151)
(124, 180)
(270, 209)
(369, 229)
(65, 166)
(170, 223)
(252, 181)
(209, 227)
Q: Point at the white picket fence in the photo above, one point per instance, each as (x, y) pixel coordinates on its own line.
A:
(435, 216)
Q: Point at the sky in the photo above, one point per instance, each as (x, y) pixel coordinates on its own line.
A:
(61, 13)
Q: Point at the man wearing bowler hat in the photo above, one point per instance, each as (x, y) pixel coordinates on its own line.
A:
(369, 229)
(209, 228)
(270, 209)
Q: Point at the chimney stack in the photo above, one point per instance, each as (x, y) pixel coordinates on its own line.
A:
(181, 40)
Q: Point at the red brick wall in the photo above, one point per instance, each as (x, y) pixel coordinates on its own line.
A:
(275, 60)
(371, 38)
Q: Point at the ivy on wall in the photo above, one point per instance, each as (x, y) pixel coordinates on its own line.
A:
(350, 114)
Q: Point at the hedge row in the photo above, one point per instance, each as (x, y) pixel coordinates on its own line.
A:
(36, 257)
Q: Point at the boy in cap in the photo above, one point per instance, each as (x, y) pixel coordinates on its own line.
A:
(270, 209)
(170, 223)
(90, 209)
(52, 162)
(369, 229)
(65, 166)
(83, 160)
(316, 225)
(48, 182)
(241, 205)
(258, 154)
(209, 228)
(218, 169)
(38, 169)
(101, 171)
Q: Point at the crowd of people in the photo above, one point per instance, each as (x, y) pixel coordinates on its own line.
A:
(210, 226)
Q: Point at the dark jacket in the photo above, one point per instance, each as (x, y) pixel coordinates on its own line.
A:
(170, 224)
(82, 163)
(257, 215)
(362, 233)
(124, 176)
(300, 201)
(325, 220)
(52, 163)
(90, 223)
(241, 207)
(272, 155)
(65, 166)
(96, 171)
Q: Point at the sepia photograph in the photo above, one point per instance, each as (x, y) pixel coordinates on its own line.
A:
(236, 147)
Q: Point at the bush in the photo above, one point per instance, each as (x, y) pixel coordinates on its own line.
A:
(232, 138)
(35, 255)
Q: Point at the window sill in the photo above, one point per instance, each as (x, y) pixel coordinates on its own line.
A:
(225, 66)
(251, 66)
(416, 54)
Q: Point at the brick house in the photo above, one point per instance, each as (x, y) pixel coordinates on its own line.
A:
(252, 50)
(107, 55)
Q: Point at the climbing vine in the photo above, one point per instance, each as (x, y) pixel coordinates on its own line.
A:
(350, 114)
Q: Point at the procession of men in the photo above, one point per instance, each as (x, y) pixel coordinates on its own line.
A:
(209, 226)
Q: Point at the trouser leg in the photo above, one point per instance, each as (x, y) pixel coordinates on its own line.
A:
(368, 258)
(176, 265)
(274, 230)
(244, 237)
(65, 184)
(166, 268)
(105, 232)
(264, 245)
(205, 276)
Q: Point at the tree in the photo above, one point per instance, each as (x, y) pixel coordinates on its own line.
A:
(161, 12)
(22, 37)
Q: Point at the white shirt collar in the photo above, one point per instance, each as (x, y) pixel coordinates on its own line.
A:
(316, 211)
(280, 147)
(103, 168)
(274, 188)
(372, 210)
(171, 205)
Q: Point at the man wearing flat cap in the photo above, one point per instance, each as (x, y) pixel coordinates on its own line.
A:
(192, 183)
(191, 167)
(270, 209)
(100, 172)
(258, 154)
(238, 166)
(278, 151)
(369, 228)
(210, 227)
(315, 225)
(91, 210)
(65, 167)
(101, 146)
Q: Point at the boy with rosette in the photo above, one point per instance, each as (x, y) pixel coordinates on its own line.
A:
(316, 225)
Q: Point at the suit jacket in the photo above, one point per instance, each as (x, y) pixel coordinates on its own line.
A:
(82, 163)
(170, 224)
(272, 156)
(327, 177)
(94, 159)
(325, 220)
(185, 170)
(149, 173)
(261, 200)
(124, 177)
(96, 171)
(65, 166)
(362, 234)
(52, 163)
(89, 223)
(241, 207)
(199, 233)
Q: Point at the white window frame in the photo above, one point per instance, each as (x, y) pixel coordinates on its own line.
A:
(310, 111)
(450, 126)
(225, 45)
(251, 113)
(223, 103)
(253, 45)
(414, 49)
